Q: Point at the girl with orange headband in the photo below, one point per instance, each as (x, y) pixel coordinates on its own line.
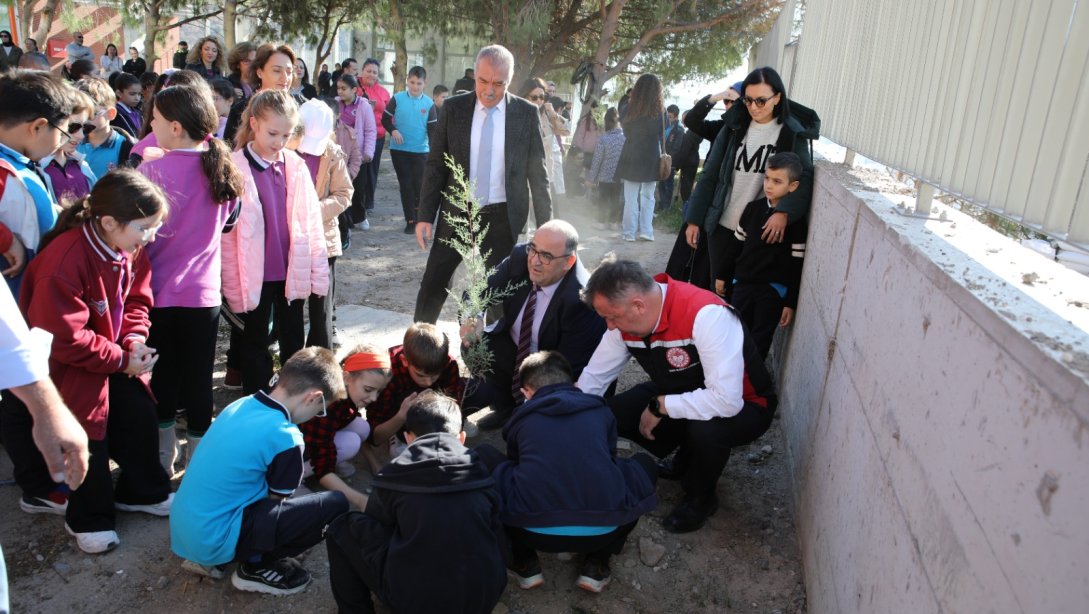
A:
(333, 440)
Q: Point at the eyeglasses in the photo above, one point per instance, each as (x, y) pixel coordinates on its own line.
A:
(759, 102)
(72, 128)
(728, 102)
(545, 257)
(148, 232)
(321, 414)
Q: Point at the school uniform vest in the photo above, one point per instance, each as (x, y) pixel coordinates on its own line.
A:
(670, 357)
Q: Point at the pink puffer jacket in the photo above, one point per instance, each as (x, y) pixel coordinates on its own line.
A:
(244, 246)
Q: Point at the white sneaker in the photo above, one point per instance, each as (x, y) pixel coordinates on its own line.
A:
(94, 542)
(345, 469)
(161, 508)
(365, 225)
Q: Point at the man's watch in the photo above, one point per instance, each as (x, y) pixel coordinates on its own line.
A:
(655, 408)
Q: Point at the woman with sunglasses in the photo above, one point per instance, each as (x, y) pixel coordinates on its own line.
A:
(535, 90)
(762, 123)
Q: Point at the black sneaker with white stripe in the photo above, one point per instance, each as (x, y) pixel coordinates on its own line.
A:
(279, 578)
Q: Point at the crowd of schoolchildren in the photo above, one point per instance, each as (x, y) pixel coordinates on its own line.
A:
(128, 229)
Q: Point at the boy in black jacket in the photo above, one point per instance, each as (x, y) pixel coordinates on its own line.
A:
(766, 276)
(433, 518)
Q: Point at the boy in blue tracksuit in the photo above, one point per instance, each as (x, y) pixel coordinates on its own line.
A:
(409, 119)
(563, 487)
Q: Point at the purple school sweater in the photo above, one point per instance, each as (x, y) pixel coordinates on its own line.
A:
(69, 182)
(271, 184)
(185, 256)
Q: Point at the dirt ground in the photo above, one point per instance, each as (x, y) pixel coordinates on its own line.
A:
(745, 559)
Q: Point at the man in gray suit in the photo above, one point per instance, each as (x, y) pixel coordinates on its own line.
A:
(495, 137)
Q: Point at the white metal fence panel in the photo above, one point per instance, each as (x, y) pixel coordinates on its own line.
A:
(986, 99)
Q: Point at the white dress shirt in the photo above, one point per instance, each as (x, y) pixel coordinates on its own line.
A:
(718, 337)
(497, 193)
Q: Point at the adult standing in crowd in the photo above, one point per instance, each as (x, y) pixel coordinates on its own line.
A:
(239, 61)
(708, 390)
(688, 263)
(638, 167)
(135, 65)
(207, 59)
(32, 58)
(325, 81)
(181, 56)
(300, 85)
(674, 135)
(767, 122)
(534, 90)
(495, 138)
(9, 51)
(111, 62)
(272, 69)
(76, 50)
(547, 270)
(379, 98)
(466, 83)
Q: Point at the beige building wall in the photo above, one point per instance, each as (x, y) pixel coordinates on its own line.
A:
(936, 418)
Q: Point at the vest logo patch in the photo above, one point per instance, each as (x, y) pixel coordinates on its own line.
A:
(678, 358)
(99, 307)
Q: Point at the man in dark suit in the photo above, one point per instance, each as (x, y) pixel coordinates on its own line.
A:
(488, 124)
(548, 268)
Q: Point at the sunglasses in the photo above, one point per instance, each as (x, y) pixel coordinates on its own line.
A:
(72, 129)
(759, 102)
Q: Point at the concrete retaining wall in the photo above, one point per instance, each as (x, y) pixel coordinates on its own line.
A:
(938, 444)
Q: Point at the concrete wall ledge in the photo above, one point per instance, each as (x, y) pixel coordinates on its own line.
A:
(935, 402)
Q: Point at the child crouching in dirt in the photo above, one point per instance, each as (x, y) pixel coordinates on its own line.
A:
(433, 518)
(336, 438)
(234, 505)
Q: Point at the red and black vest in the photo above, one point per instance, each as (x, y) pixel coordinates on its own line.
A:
(669, 354)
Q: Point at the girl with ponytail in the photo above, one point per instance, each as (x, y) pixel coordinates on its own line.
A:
(203, 186)
(90, 287)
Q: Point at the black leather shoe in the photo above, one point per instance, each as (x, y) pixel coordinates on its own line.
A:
(495, 420)
(690, 514)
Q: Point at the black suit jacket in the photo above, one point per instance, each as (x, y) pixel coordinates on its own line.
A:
(569, 326)
(524, 160)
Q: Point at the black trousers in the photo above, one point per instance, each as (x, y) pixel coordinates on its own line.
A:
(357, 211)
(760, 308)
(256, 362)
(691, 265)
(410, 171)
(372, 166)
(132, 441)
(704, 444)
(717, 243)
(610, 202)
(687, 181)
(321, 313)
(357, 545)
(442, 261)
(186, 340)
(275, 528)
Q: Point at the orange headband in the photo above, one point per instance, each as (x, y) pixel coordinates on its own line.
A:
(363, 361)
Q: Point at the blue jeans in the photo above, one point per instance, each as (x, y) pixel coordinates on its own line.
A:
(639, 208)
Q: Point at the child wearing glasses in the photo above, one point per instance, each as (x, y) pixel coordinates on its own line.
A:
(37, 110)
(333, 440)
(70, 177)
(235, 502)
(90, 288)
(107, 147)
(203, 185)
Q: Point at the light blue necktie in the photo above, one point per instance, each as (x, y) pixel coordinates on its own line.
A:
(484, 159)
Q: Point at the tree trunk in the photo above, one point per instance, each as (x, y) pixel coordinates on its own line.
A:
(610, 23)
(230, 15)
(49, 13)
(395, 29)
(151, 32)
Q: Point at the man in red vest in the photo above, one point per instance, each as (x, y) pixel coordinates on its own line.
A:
(708, 388)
